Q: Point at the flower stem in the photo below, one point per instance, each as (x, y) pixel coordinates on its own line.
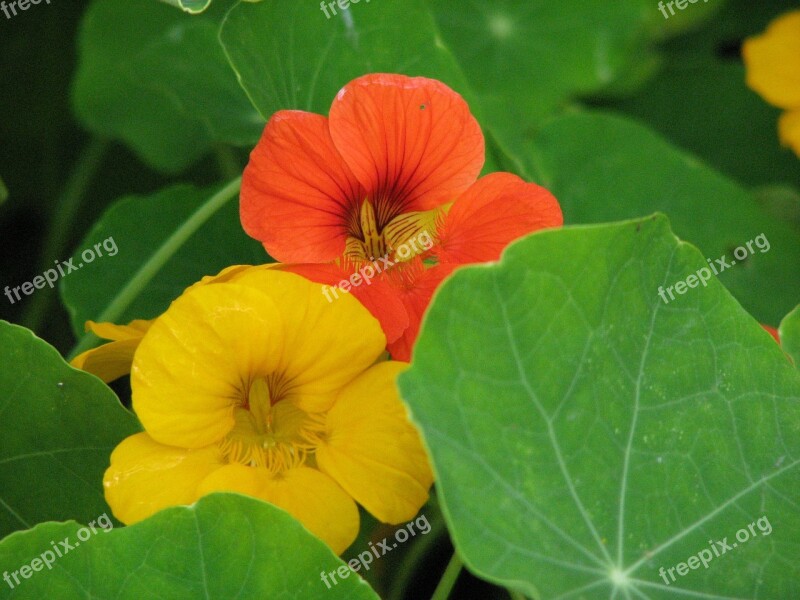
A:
(448, 580)
(158, 259)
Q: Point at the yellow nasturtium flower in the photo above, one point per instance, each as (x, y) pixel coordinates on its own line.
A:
(772, 60)
(259, 385)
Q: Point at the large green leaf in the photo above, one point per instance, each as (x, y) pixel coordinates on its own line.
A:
(605, 168)
(225, 546)
(158, 79)
(584, 433)
(165, 242)
(58, 429)
(790, 335)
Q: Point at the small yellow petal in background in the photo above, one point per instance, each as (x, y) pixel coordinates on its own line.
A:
(309, 496)
(113, 360)
(789, 128)
(373, 451)
(328, 344)
(145, 476)
(772, 60)
(198, 360)
(109, 361)
(110, 331)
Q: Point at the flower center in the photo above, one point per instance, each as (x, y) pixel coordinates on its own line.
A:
(397, 240)
(271, 433)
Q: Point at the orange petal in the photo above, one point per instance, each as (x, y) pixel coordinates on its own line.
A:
(411, 141)
(371, 448)
(493, 212)
(309, 496)
(377, 296)
(415, 290)
(297, 193)
(773, 332)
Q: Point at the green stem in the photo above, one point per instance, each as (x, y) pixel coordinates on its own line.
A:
(448, 580)
(153, 265)
(61, 222)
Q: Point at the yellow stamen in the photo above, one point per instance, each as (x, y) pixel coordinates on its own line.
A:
(270, 433)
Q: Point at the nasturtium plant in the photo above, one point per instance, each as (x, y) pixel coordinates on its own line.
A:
(496, 300)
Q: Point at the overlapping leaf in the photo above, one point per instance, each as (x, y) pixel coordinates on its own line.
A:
(58, 427)
(225, 546)
(586, 434)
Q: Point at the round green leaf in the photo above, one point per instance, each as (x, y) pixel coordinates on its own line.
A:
(225, 546)
(158, 79)
(586, 434)
(58, 429)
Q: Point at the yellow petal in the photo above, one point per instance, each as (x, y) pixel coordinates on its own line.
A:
(197, 362)
(109, 361)
(327, 344)
(145, 476)
(789, 128)
(773, 62)
(309, 496)
(373, 451)
(109, 331)
(113, 360)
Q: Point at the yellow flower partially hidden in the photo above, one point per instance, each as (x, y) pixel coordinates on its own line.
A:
(772, 61)
(113, 360)
(258, 385)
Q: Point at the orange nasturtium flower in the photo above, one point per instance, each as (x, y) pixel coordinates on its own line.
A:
(394, 163)
(772, 60)
(259, 385)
